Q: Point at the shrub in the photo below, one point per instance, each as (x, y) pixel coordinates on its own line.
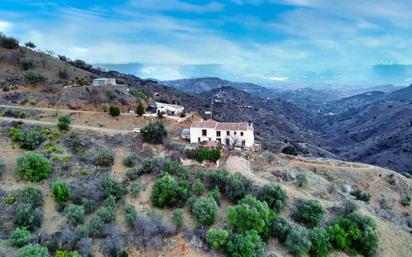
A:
(275, 196)
(74, 214)
(247, 244)
(203, 154)
(321, 245)
(104, 157)
(251, 214)
(217, 238)
(130, 215)
(133, 173)
(19, 237)
(140, 109)
(290, 150)
(154, 133)
(61, 191)
(8, 42)
(169, 191)
(33, 77)
(298, 241)
(30, 45)
(95, 226)
(237, 187)
(134, 190)
(28, 216)
(27, 139)
(280, 228)
(114, 111)
(106, 214)
(33, 250)
(33, 166)
(66, 254)
(26, 64)
(9, 199)
(111, 187)
(218, 179)
(309, 212)
(63, 122)
(198, 187)
(130, 160)
(204, 210)
(347, 208)
(361, 195)
(215, 194)
(177, 218)
(2, 166)
(405, 200)
(301, 180)
(76, 143)
(32, 196)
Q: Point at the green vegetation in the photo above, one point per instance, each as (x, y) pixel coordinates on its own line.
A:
(218, 179)
(63, 122)
(26, 64)
(33, 250)
(405, 200)
(140, 109)
(237, 187)
(103, 157)
(204, 210)
(33, 77)
(130, 215)
(301, 180)
(76, 143)
(321, 245)
(177, 218)
(361, 195)
(198, 187)
(169, 191)
(248, 244)
(215, 194)
(280, 228)
(275, 196)
(133, 173)
(298, 241)
(61, 191)
(95, 227)
(27, 139)
(74, 214)
(114, 111)
(139, 94)
(203, 154)
(19, 237)
(131, 160)
(111, 187)
(217, 238)
(8, 42)
(154, 132)
(33, 166)
(134, 190)
(30, 45)
(2, 166)
(28, 216)
(66, 254)
(308, 212)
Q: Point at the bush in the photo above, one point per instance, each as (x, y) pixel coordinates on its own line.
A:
(74, 214)
(177, 218)
(140, 109)
(290, 150)
(134, 190)
(89, 205)
(204, 210)
(19, 237)
(198, 187)
(237, 187)
(347, 208)
(104, 157)
(217, 238)
(32, 196)
(280, 228)
(133, 173)
(251, 214)
(154, 133)
(27, 139)
(203, 154)
(30, 45)
(405, 200)
(247, 244)
(63, 122)
(301, 180)
(215, 194)
(130, 160)
(33, 77)
(61, 191)
(321, 245)
(32, 166)
(309, 212)
(26, 64)
(111, 187)
(169, 191)
(76, 143)
(8, 42)
(2, 166)
(66, 254)
(130, 215)
(275, 196)
(361, 195)
(218, 179)
(95, 227)
(28, 216)
(298, 242)
(106, 214)
(114, 111)
(33, 250)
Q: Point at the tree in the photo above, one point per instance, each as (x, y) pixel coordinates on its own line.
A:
(28, 139)
(274, 195)
(30, 45)
(198, 187)
(140, 109)
(64, 122)
(169, 191)
(280, 228)
(61, 191)
(298, 241)
(308, 212)
(33, 250)
(74, 214)
(114, 111)
(33, 166)
(177, 218)
(19, 237)
(321, 245)
(237, 187)
(111, 187)
(217, 238)
(248, 244)
(28, 216)
(8, 42)
(251, 214)
(204, 210)
(154, 133)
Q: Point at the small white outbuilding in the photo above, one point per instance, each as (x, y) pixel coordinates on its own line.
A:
(104, 82)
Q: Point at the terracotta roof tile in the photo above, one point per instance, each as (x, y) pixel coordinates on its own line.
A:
(221, 125)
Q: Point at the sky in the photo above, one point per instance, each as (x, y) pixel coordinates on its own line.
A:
(269, 42)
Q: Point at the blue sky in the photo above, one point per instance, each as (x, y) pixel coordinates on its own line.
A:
(272, 42)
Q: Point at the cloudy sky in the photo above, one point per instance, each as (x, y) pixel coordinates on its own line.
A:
(323, 42)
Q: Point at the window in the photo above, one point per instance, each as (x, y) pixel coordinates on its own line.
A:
(235, 132)
(243, 143)
(198, 139)
(218, 133)
(219, 140)
(228, 133)
(227, 141)
(241, 134)
(204, 132)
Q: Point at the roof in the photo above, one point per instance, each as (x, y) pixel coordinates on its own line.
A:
(221, 125)
(175, 106)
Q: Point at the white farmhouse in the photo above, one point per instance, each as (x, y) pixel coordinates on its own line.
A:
(225, 133)
(172, 109)
(104, 82)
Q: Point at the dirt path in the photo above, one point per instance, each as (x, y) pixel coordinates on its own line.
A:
(81, 127)
(240, 164)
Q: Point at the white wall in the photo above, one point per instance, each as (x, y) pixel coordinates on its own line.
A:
(248, 136)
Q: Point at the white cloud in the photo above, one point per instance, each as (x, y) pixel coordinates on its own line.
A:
(5, 25)
(276, 78)
(176, 5)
